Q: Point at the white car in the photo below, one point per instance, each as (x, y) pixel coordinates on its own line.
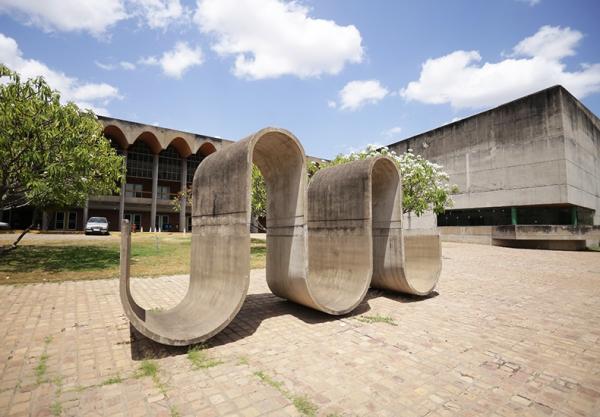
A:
(4, 226)
(96, 225)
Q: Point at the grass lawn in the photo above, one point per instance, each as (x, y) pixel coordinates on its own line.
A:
(37, 260)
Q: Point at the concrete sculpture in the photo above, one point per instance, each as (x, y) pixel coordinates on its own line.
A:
(326, 243)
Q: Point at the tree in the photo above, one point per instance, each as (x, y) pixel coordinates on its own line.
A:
(425, 185)
(259, 198)
(179, 198)
(51, 155)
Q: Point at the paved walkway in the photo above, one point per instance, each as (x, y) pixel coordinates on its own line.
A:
(509, 333)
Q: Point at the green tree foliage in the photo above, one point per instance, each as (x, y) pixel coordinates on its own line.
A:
(51, 155)
(259, 193)
(179, 198)
(425, 185)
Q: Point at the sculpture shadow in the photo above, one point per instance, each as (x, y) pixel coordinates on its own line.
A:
(400, 297)
(256, 309)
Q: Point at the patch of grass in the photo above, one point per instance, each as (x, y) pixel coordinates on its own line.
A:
(270, 381)
(42, 365)
(56, 408)
(113, 380)
(243, 360)
(377, 319)
(594, 248)
(305, 406)
(77, 257)
(174, 411)
(147, 368)
(150, 368)
(301, 402)
(41, 368)
(199, 359)
(258, 254)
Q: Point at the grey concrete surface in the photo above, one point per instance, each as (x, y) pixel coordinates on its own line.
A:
(326, 242)
(542, 149)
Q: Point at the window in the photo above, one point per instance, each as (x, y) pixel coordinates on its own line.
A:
(65, 220)
(169, 165)
(133, 190)
(72, 220)
(60, 220)
(163, 192)
(192, 163)
(139, 160)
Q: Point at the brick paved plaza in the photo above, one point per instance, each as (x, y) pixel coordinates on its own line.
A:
(509, 333)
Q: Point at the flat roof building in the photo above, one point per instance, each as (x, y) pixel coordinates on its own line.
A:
(533, 161)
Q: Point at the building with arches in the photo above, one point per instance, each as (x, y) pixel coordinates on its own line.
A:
(160, 163)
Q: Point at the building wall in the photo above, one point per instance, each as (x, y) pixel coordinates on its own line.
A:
(513, 155)
(582, 153)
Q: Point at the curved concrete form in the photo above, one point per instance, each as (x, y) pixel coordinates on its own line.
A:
(326, 243)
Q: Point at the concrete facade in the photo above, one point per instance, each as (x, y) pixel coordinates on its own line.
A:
(540, 152)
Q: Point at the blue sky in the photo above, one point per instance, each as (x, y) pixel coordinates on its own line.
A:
(338, 74)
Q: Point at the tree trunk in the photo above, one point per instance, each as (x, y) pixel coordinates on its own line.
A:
(13, 246)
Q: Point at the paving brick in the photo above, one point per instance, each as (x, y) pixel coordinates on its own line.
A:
(508, 333)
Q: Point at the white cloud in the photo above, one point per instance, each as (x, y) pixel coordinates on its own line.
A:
(536, 63)
(530, 2)
(159, 14)
(177, 61)
(331, 104)
(550, 42)
(94, 16)
(396, 130)
(129, 66)
(106, 67)
(86, 95)
(358, 93)
(126, 65)
(271, 38)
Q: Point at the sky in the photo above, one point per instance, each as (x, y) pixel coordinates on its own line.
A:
(339, 74)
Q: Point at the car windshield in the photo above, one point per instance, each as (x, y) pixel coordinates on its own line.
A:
(97, 220)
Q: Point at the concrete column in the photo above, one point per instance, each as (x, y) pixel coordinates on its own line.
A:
(183, 202)
(574, 216)
(122, 196)
(513, 215)
(154, 194)
(85, 214)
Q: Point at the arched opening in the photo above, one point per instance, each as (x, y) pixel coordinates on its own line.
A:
(116, 137)
(183, 148)
(149, 139)
(194, 160)
(206, 149)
